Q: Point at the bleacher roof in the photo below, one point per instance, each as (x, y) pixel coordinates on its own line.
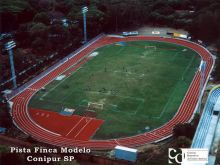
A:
(126, 148)
(217, 105)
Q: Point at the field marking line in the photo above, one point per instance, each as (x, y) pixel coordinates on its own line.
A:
(53, 102)
(75, 126)
(67, 96)
(190, 63)
(81, 103)
(149, 53)
(137, 109)
(87, 122)
(119, 111)
(69, 93)
(139, 75)
(121, 49)
(174, 56)
(171, 96)
(44, 95)
(124, 97)
(168, 102)
(136, 99)
(50, 90)
(124, 112)
(132, 98)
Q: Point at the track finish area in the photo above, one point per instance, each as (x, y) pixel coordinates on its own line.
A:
(26, 123)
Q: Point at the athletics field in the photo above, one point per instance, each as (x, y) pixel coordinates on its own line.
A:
(133, 87)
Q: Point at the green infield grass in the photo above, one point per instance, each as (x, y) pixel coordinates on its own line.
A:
(134, 87)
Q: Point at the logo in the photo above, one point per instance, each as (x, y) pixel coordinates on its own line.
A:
(175, 156)
(188, 156)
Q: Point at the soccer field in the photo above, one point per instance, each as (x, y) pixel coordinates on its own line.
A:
(134, 86)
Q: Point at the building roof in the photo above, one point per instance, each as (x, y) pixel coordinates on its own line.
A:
(2, 130)
(126, 148)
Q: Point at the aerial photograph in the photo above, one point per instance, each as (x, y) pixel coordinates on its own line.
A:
(109, 82)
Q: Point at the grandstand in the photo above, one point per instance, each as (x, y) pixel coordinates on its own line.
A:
(209, 124)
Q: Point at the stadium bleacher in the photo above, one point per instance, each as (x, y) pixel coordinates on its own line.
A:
(205, 131)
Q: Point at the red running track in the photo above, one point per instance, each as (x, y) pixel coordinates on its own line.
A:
(27, 124)
(53, 121)
(74, 126)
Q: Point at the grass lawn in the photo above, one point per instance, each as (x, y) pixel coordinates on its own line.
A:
(138, 85)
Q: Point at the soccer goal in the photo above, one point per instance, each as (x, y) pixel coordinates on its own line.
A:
(94, 105)
(150, 47)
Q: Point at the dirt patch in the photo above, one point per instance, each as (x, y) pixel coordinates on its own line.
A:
(91, 114)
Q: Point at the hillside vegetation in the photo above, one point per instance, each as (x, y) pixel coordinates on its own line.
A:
(39, 33)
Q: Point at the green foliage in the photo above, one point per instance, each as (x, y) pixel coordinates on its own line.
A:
(42, 18)
(13, 6)
(3, 149)
(183, 142)
(64, 6)
(5, 118)
(38, 44)
(59, 35)
(218, 154)
(38, 30)
(185, 129)
(31, 18)
(209, 14)
(47, 5)
(38, 27)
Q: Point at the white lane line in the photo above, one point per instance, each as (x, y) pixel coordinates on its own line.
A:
(83, 127)
(75, 126)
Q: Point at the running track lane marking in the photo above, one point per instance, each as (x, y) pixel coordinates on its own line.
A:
(116, 141)
(87, 122)
(75, 126)
(32, 89)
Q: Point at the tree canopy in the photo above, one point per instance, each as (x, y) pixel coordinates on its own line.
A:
(34, 21)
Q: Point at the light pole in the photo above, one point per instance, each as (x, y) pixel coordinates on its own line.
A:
(202, 68)
(9, 46)
(84, 11)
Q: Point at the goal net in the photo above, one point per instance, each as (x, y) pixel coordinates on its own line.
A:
(94, 105)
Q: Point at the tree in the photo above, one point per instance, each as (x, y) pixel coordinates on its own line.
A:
(5, 118)
(185, 129)
(183, 142)
(38, 44)
(23, 35)
(1, 77)
(38, 30)
(9, 12)
(208, 14)
(42, 17)
(59, 36)
(11, 158)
